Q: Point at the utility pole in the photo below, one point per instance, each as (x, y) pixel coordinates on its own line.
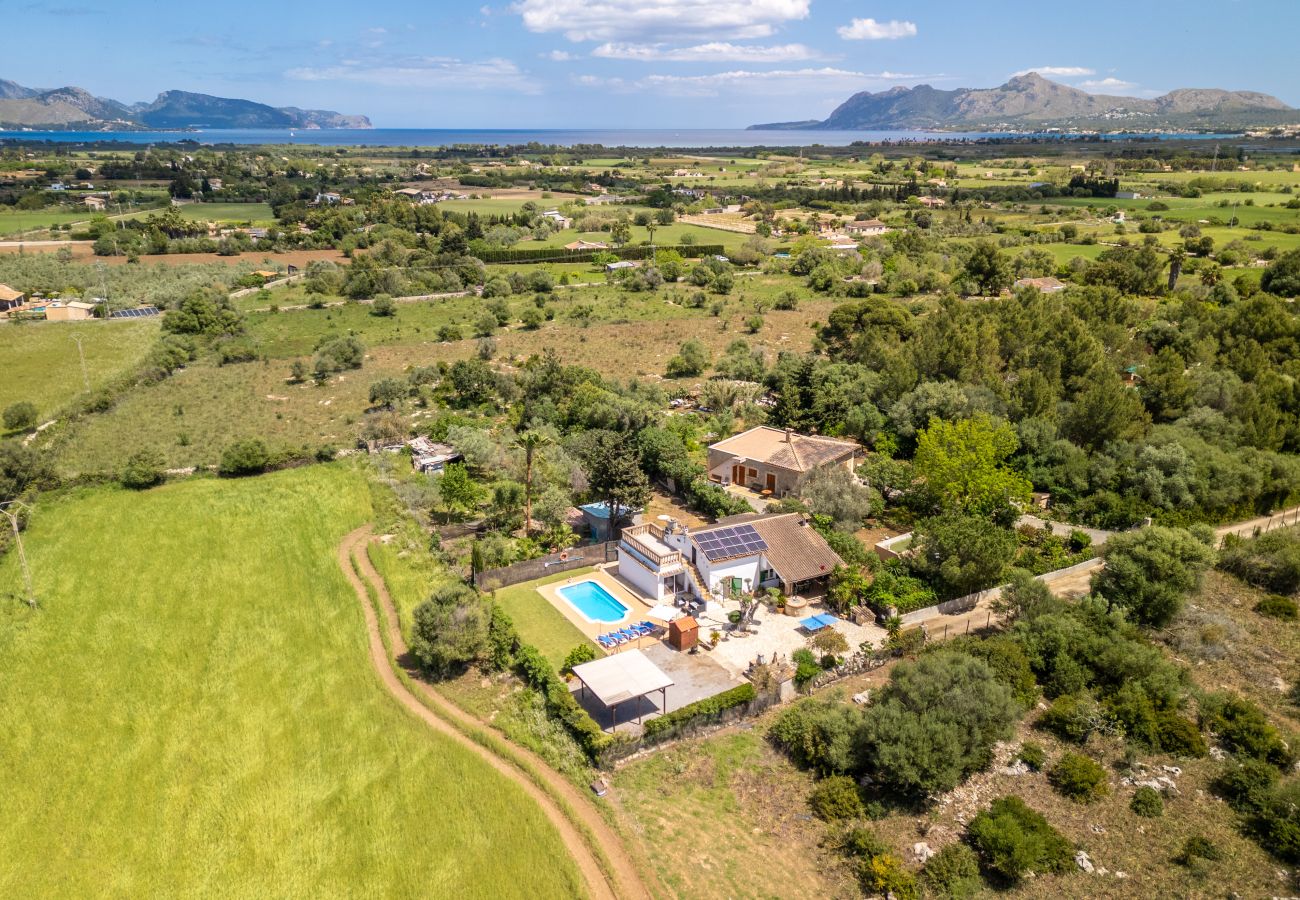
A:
(18, 540)
(85, 377)
(103, 289)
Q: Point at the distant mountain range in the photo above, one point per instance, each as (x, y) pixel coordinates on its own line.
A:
(73, 108)
(1031, 102)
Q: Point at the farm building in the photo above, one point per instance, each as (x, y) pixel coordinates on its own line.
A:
(774, 460)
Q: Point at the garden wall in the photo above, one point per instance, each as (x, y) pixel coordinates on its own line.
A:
(551, 564)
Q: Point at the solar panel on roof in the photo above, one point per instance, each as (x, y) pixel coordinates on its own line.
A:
(735, 540)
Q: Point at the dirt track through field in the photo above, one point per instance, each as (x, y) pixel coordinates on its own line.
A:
(622, 879)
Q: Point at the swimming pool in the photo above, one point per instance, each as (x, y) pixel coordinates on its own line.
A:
(593, 602)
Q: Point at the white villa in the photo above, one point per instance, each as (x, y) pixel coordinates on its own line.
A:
(738, 555)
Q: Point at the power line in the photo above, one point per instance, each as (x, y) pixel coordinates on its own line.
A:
(18, 540)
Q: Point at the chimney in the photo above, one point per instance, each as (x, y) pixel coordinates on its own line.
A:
(789, 436)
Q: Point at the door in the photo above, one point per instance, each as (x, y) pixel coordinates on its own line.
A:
(771, 482)
(738, 475)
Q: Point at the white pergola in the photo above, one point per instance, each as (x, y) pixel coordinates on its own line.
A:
(622, 677)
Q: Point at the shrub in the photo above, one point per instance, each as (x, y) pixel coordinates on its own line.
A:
(580, 654)
(818, 734)
(1270, 561)
(144, 469)
(836, 797)
(884, 875)
(1080, 778)
(450, 629)
(864, 843)
(936, 722)
(449, 333)
(1197, 847)
(709, 706)
(1278, 607)
(1246, 785)
(247, 457)
(533, 318)
(1033, 755)
(1241, 727)
(383, 306)
(1074, 717)
(953, 872)
(1179, 736)
(806, 666)
(20, 416)
(1151, 571)
(1278, 823)
(1147, 803)
(1007, 659)
(1011, 839)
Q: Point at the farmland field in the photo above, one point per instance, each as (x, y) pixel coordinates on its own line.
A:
(257, 213)
(40, 359)
(192, 713)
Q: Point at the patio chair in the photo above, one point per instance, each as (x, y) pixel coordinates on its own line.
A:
(606, 641)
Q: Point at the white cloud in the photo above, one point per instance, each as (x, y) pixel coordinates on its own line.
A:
(871, 30)
(797, 82)
(1104, 85)
(559, 56)
(714, 51)
(424, 72)
(1057, 71)
(638, 20)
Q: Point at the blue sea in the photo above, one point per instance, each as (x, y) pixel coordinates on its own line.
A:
(443, 137)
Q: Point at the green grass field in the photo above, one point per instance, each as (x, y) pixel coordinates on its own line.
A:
(257, 213)
(540, 623)
(40, 362)
(14, 222)
(192, 713)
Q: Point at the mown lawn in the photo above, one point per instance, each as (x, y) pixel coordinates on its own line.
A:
(539, 623)
(192, 712)
(39, 359)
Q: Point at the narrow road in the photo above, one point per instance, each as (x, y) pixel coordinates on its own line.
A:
(623, 879)
(1285, 518)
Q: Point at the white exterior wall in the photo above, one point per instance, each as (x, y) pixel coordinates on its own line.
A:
(645, 581)
(744, 567)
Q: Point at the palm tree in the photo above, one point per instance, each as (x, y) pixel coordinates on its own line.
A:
(530, 442)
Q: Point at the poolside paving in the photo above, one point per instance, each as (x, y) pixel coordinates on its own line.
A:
(605, 576)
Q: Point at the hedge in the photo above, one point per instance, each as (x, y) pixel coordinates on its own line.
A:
(540, 674)
(560, 255)
(709, 706)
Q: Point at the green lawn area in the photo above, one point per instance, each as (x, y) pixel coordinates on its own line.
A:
(539, 623)
(192, 712)
(40, 362)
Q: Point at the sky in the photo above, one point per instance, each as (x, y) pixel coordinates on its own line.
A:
(637, 63)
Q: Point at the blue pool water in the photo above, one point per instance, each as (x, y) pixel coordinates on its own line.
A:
(594, 602)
